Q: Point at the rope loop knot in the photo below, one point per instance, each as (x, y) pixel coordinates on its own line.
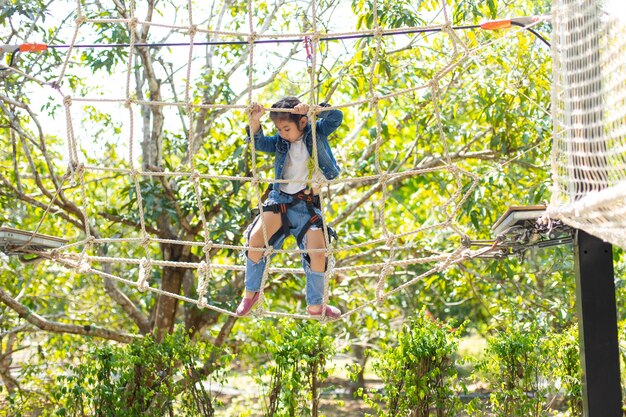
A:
(83, 266)
(434, 84)
(374, 100)
(132, 23)
(202, 268)
(253, 37)
(315, 36)
(78, 169)
(268, 252)
(145, 270)
(208, 246)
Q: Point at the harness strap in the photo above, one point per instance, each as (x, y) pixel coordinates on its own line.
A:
(312, 202)
(284, 220)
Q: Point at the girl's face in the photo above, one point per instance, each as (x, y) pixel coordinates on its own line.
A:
(290, 130)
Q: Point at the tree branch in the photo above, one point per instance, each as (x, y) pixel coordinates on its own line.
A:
(31, 200)
(205, 116)
(136, 225)
(57, 327)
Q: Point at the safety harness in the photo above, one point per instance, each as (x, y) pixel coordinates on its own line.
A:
(312, 202)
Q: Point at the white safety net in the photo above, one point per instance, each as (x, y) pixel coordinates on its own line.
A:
(589, 110)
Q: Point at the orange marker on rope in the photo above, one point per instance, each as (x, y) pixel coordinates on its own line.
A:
(33, 47)
(496, 24)
(525, 22)
(507, 23)
(25, 47)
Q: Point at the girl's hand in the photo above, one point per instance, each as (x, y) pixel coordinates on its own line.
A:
(301, 108)
(256, 111)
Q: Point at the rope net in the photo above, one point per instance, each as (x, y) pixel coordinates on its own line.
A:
(589, 111)
(369, 264)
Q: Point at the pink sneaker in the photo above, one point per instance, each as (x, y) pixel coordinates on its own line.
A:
(246, 305)
(331, 312)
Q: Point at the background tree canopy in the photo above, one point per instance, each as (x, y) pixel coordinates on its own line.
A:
(490, 121)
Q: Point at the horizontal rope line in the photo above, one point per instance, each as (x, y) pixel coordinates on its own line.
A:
(367, 178)
(271, 38)
(450, 260)
(148, 240)
(197, 265)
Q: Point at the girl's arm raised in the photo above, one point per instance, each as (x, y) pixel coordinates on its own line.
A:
(329, 120)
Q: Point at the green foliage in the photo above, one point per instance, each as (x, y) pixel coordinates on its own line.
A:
(15, 404)
(621, 328)
(144, 378)
(25, 8)
(391, 14)
(514, 363)
(298, 351)
(418, 371)
(565, 370)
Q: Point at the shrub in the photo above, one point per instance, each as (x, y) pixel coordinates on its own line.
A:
(298, 353)
(566, 370)
(144, 378)
(513, 364)
(418, 371)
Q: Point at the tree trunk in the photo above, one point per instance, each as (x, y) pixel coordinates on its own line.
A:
(172, 279)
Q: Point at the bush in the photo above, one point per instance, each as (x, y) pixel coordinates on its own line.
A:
(513, 365)
(144, 378)
(566, 368)
(298, 353)
(418, 372)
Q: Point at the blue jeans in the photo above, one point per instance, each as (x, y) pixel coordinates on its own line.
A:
(298, 215)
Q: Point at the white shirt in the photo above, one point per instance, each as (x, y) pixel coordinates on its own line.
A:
(297, 169)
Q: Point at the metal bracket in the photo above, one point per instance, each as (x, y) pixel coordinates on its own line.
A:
(523, 228)
(19, 242)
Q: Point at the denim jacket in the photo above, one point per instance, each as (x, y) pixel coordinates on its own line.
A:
(328, 121)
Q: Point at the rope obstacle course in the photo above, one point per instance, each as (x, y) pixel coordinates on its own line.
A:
(79, 255)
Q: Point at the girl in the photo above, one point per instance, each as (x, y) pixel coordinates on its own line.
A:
(292, 208)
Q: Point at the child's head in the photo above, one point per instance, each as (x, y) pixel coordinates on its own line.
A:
(290, 125)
